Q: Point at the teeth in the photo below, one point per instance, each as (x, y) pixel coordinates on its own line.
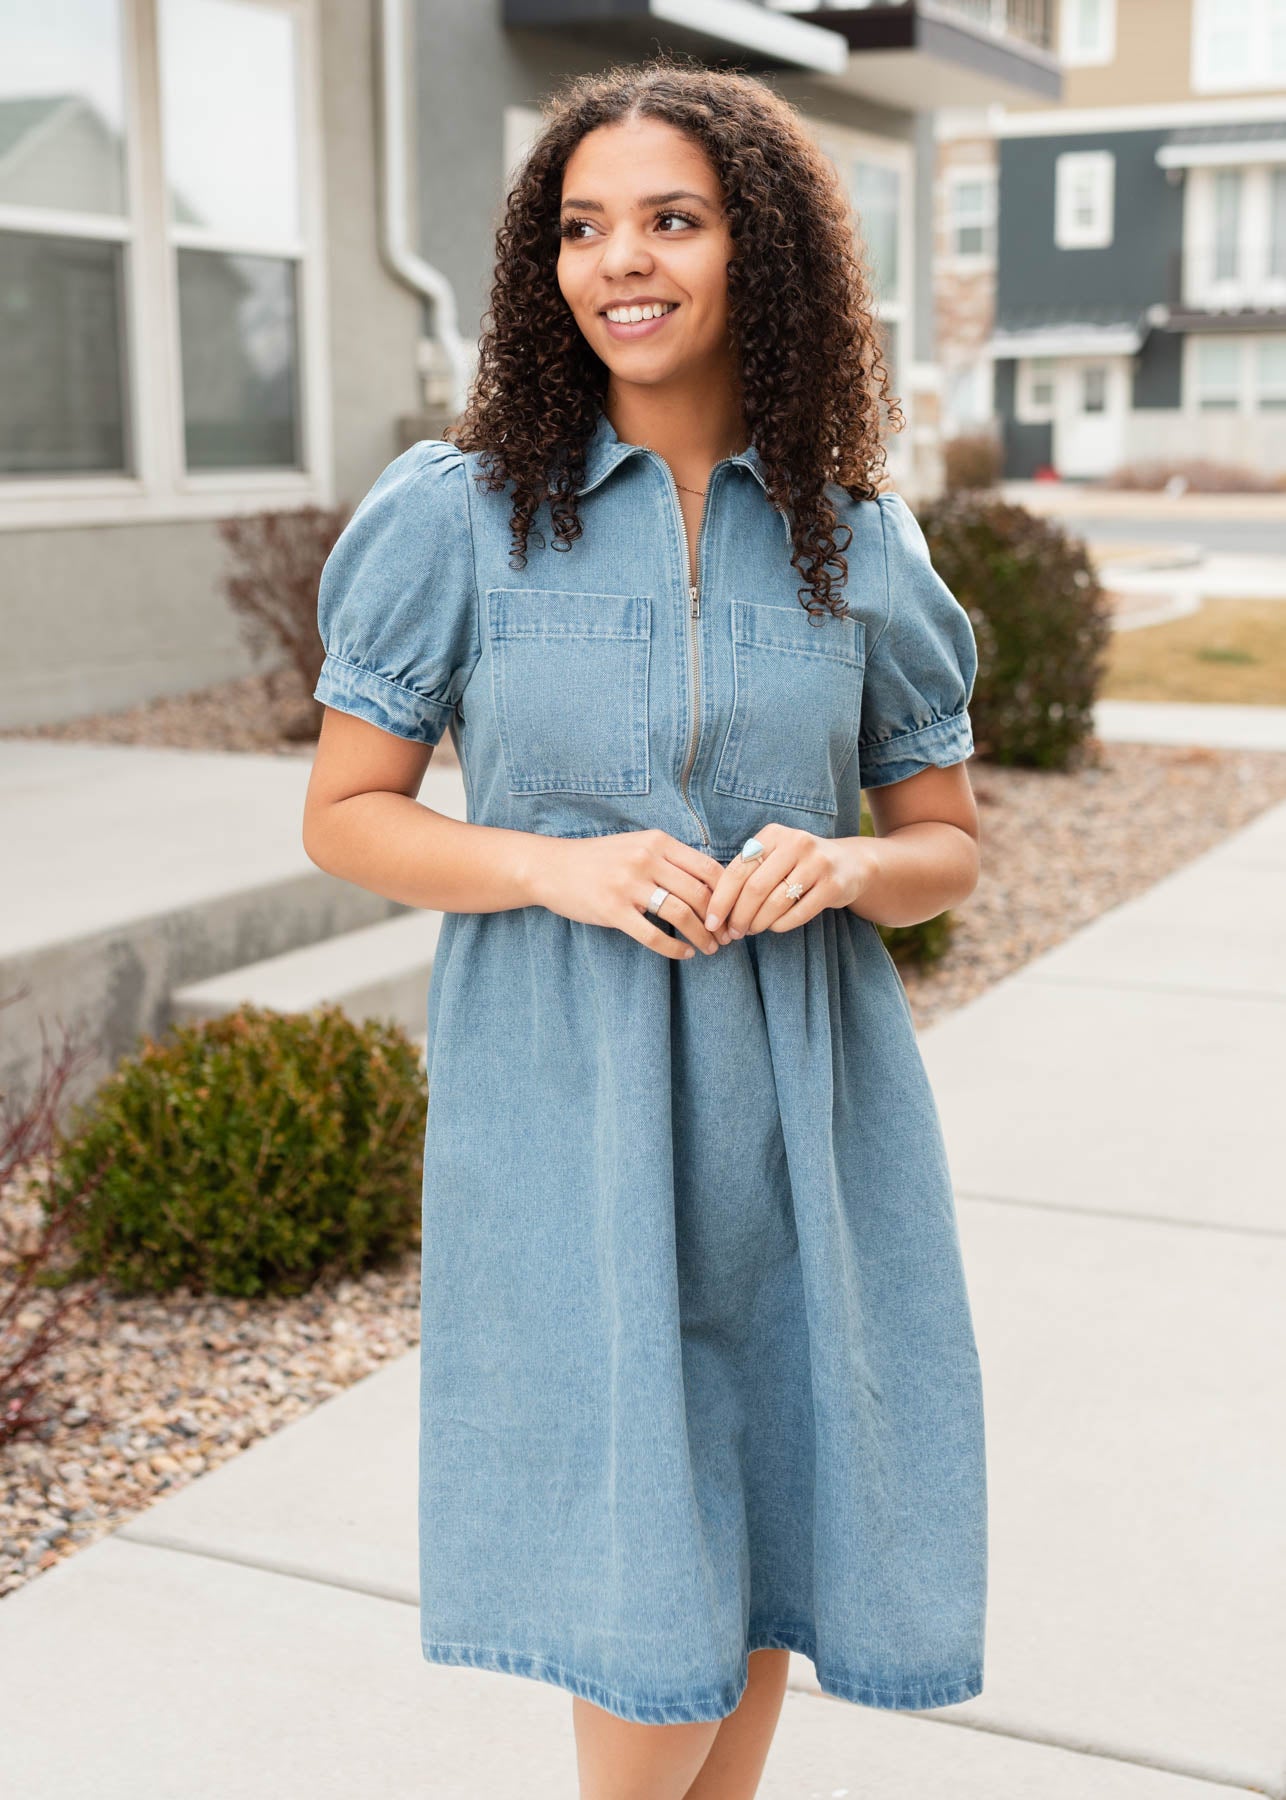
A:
(634, 315)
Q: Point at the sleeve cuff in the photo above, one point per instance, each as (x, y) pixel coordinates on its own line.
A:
(396, 709)
(939, 744)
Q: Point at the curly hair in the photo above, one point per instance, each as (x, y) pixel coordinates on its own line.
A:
(812, 374)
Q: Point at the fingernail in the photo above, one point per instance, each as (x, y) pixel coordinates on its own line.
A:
(712, 919)
(735, 932)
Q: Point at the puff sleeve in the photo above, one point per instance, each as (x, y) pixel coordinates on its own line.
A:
(920, 665)
(397, 602)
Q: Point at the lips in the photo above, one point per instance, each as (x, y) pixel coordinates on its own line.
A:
(642, 328)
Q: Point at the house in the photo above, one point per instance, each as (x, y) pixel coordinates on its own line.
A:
(1112, 274)
(245, 247)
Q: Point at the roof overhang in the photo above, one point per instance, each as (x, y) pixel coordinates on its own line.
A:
(758, 36)
(1238, 151)
(1068, 340)
(923, 55)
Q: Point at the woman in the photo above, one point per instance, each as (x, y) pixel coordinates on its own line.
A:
(699, 1383)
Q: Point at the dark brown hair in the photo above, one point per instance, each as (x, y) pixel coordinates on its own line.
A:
(799, 305)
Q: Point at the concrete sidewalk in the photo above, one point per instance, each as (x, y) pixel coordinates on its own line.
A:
(1112, 1114)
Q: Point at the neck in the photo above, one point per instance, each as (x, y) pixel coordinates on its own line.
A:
(692, 430)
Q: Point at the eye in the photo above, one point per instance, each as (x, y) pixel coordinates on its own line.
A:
(570, 228)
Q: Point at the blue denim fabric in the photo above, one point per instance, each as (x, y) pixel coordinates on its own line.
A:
(698, 1369)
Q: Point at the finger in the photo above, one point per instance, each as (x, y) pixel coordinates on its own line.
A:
(728, 889)
(786, 913)
(758, 887)
(637, 925)
(685, 904)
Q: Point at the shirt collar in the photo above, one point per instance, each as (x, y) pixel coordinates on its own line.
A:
(605, 450)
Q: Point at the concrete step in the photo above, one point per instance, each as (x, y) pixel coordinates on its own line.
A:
(378, 971)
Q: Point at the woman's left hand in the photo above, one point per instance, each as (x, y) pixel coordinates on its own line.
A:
(751, 896)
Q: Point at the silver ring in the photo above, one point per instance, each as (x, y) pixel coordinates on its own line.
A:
(752, 850)
(795, 890)
(659, 897)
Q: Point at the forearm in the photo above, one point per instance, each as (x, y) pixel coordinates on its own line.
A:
(918, 871)
(393, 845)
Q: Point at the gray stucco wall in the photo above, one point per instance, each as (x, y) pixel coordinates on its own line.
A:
(104, 616)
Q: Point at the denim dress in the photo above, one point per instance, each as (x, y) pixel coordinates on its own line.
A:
(697, 1368)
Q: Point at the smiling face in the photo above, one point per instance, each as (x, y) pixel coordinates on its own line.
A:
(642, 221)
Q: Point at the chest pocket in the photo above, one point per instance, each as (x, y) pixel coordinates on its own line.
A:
(569, 677)
(797, 701)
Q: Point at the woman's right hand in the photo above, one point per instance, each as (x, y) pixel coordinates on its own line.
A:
(609, 881)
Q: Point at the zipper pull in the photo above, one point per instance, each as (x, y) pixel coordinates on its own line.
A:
(696, 602)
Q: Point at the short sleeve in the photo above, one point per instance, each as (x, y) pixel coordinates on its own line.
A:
(920, 665)
(397, 602)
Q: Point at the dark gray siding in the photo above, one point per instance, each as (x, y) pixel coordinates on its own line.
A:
(1026, 447)
(1158, 370)
(1036, 282)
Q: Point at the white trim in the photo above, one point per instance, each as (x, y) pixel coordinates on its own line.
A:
(157, 486)
(961, 175)
(1202, 156)
(1138, 118)
(1067, 340)
(1103, 51)
(1098, 169)
(759, 28)
(1257, 71)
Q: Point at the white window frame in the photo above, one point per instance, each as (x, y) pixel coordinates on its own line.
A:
(1252, 284)
(161, 487)
(1256, 70)
(1248, 393)
(1100, 168)
(1103, 50)
(964, 175)
(1027, 409)
(895, 153)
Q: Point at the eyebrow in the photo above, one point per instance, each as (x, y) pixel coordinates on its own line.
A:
(647, 200)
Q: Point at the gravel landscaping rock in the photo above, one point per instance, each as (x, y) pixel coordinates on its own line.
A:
(146, 1394)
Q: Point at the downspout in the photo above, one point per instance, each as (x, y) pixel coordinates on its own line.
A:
(404, 262)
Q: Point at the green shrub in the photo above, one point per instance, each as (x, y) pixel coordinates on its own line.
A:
(1041, 619)
(921, 944)
(250, 1153)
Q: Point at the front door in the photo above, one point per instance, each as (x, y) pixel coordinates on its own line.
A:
(1089, 419)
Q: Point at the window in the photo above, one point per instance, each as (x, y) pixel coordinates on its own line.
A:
(877, 175)
(1036, 389)
(1088, 32)
(1238, 44)
(159, 329)
(65, 238)
(971, 213)
(1217, 374)
(1083, 191)
(1234, 235)
(1227, 224)
(1277, 225)
(1094, 388)
(1270, 383)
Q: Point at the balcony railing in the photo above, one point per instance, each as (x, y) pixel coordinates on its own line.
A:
(1024, 21)
(1211, 277)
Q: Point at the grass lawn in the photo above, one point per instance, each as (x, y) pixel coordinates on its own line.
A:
(1228, 650)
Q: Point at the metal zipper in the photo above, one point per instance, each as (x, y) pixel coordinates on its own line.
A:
(694, 659)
